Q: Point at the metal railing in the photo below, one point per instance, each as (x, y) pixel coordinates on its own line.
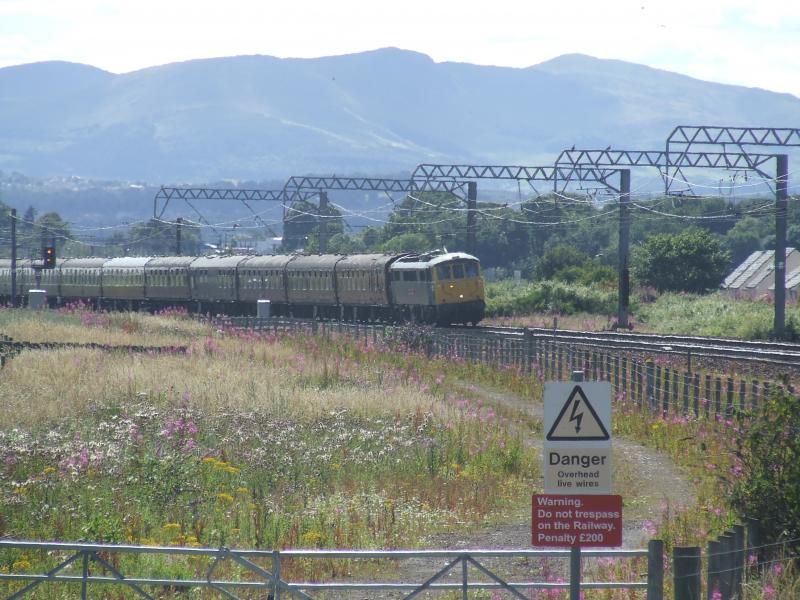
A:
(263, 573)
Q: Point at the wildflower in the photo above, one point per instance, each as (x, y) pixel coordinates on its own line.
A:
(649, 528)
(21, 565)
(768, 592)
(171, 526)
(225, 498)
(48, 470)
(241, 490)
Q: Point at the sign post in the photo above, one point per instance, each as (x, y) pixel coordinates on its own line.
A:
(577, 508)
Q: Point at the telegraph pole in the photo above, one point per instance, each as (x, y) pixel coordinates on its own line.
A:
(178, 222)
(781, 195)
(13, 258)
(472, 205)
(624, 247)
(323, 222)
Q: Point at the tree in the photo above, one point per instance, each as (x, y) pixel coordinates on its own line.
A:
(691, 261)
(744, 238)
(408, 242)
(160, 238)
(558, 258)
(50, 226)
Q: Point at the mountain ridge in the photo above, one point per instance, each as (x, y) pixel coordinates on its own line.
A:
(382, 111)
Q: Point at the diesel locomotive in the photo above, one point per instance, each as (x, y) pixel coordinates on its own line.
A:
(436, 287)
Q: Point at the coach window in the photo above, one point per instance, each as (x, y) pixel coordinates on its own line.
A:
(458, 271)
(443, 272)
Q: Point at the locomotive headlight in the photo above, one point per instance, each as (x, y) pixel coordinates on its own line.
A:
(461, 296)
(452, 286)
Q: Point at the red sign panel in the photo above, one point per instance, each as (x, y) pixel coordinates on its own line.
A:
(586, 521)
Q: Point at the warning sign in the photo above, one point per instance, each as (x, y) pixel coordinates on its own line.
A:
(577, 470)
(586, 521)
(577, 442)
(577, 421)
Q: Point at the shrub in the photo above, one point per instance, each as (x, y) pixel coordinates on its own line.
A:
(506, 298)
(691, 261)
(766, 474)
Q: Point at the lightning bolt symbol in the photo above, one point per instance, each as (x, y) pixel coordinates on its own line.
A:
(576, 417)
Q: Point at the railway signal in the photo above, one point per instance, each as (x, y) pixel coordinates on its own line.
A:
(49, 257)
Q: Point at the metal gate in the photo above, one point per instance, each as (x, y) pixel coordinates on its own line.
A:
(234, 573)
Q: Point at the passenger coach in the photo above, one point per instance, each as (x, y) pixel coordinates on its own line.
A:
(436, 287)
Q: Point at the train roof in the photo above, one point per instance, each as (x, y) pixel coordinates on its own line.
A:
(127, 262)
(83, 263)
(217, 262)
(424, 261)
(324, 262)
(272, 261)
(367, 260)
(171, 262)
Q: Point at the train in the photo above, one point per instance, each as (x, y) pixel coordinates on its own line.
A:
(436, 287)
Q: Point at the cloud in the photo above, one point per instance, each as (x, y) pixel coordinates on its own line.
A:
(731, 41)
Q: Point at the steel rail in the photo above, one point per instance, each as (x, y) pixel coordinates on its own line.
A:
(775, 353)
(778, 354)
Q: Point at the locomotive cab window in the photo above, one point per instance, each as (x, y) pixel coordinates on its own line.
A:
(443, 272)
(471, 269)
(458, 271)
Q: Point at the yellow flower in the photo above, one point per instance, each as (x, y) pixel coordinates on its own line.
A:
(232, 469)
(241, 490)
(226, 498)
(235, 531)
(48, 470)
(171, 526)
(209, 459)
(21, 565)
(312, 538)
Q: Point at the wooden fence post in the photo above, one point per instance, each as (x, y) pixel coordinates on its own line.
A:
(686, 572)
(726, 565)
(739, 558)
(650, 383)
(713, 568)
(655, 570)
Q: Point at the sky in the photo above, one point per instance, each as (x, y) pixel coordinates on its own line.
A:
(742, 42)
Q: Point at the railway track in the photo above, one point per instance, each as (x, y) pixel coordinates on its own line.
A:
(688, 348)
(773, 353)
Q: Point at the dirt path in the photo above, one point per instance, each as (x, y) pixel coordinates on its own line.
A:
(647, 480)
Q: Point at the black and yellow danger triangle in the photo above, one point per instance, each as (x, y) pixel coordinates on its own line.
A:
(577, 421)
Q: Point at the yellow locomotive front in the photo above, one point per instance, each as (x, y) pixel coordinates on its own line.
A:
(458, 288)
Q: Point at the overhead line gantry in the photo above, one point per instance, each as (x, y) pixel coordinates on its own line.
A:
(684, 138)
(320, 186)
(552, 174)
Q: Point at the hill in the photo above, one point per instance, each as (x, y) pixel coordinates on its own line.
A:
(258, 117)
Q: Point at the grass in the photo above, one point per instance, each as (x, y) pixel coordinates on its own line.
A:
(276, 441)
(247, 440)
(715, 315)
